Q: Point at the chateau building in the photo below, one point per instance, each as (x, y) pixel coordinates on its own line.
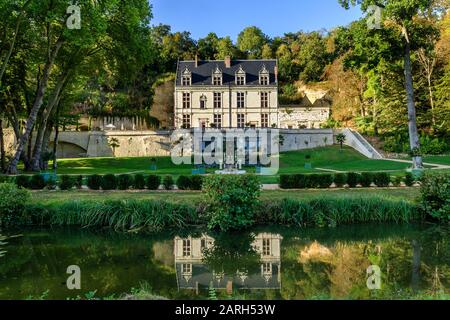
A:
(226, 94)
(240, 93)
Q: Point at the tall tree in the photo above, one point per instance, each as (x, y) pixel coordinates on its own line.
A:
(401, 14)
(251, 41)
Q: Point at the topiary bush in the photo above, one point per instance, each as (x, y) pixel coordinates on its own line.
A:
(409, 179)
(340, 179)
(12, 202)
(37, 182)
(324, 180)
(397, 181)
(366, 179)
(124, 181)
(94, 181)
(66, 182)
(196, 182)
(435, 196)
(51, 183)
(138, 182)
(382, 179)
(168, 182)
(353, 179)
(231, 200)
(183, 183)
(108, 182)
(153, 182)
(23, 181)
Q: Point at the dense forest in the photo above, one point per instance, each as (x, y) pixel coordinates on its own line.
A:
(51, 73)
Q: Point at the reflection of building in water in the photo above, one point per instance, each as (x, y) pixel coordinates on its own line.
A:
(192, 273)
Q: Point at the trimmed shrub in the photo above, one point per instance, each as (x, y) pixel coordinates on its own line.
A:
(353, 179)
(183, 183)
(51, 183)
(397, 181)
(382, 179)
(124, 181)
(324, 180)
(78, 183)
(5, 179)
(196, 182)
(94, 182)
(340, 179)
(286, 181)
(108, 182)
(37, 182)
(12, 203)
(138, 182)
(311, 181)
(409, 179)
(366, 179)
(168, 182)
(435, 195)
(153, 182)
(231, 200)
(66, 182)
(23, 181)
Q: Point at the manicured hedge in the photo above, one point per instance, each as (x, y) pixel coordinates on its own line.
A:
(190, 182)
(66, 182)
(93, 182)
(139, 182)
(153, 182)
(124, 181)
(108, 182)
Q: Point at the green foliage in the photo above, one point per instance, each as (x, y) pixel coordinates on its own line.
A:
(409, 179)
(366, 179)
(168, 182)
(153, 182)
(139, 182)
(37, 182)
(108, 182)
(183, 183)
(231, 200)
(12, 202)
(196, 182)
(94, 182)
(340, 179)
(124, 181)
(353, 179)
(382, 179)
(435, 196)
(397, 181)
(51, 183)
(78, 181)
(66, 182)
(340, 138)
(23, 181)
(325, 180)
(331, 211)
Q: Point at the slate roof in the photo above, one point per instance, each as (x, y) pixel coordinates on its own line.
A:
(202, 74)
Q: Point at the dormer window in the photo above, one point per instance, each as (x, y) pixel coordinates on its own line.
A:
(186, 77)
(217, 77)
(203, 101)
(264, 76)
(240, 77)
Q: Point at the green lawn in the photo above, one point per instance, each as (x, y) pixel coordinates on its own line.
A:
(331, 158)
(438, 159)
(49, 197)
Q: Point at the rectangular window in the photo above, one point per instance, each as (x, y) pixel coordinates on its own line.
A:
(267, 268)
(203, 244)
(186, 268)
(217, 100)
(266, 247)
(186, 121)
(186, 100)
(217, 80)
(241, 120)
(264, 120)
(264, 99)
(186, 81)
(186, 248)
(240, 80)
(218, 120)
(241, 99)
(264, 80)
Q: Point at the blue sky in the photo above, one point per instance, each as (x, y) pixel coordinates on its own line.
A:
(229, 17)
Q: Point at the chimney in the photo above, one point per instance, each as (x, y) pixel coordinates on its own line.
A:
(196, 60)
(227, 62)
(275, 70)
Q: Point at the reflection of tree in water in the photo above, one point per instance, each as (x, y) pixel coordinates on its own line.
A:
(232, 253)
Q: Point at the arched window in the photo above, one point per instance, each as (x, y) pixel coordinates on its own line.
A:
(186, 77)
(264, 76)
(217, 77)
(203, 101)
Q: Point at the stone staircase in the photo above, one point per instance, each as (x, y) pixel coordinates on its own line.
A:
(355, 140)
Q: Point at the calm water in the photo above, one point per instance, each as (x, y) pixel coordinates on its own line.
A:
(267, 263)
